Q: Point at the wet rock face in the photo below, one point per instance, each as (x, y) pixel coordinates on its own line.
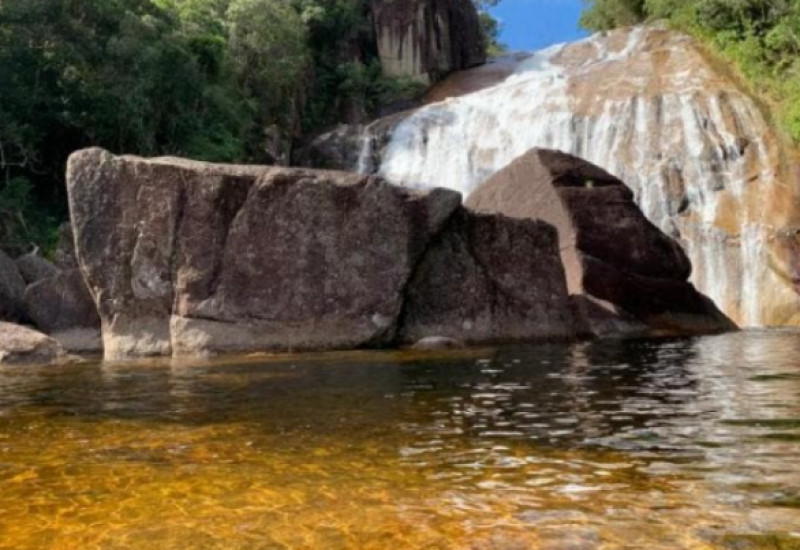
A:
(426, 39)
(23, 346)
(437, 343)
(626, 274)
(489, 278)
(349, 147)
(337, 149)
(12, 286)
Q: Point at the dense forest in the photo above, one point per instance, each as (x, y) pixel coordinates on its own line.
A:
(241, 80)
(761, 38)
(222, 80)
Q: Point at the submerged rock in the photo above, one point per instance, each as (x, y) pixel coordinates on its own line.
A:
(12, 286)
(626, 274)
(489, 278)
(23, 346)
(434, 343)
(349, 147)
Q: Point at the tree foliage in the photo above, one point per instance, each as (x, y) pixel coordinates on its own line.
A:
(490, 27)
(608, 14)
(222, 80)
(125, 74)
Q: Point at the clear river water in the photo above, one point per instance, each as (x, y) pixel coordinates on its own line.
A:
(614, 444)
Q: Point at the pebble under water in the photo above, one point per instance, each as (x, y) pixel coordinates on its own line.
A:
(657, 444)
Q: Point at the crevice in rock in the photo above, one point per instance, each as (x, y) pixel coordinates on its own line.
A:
(177, 223)
(246, 186)
(389, 336)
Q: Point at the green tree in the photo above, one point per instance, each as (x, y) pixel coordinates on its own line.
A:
(490, 26)
(270, 59)
(124, 74)
(608, 14)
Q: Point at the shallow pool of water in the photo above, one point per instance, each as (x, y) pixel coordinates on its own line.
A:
(691, 443)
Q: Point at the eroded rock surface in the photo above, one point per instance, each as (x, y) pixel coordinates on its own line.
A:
(625, 274)
(426, 39)
(349, 147)
(23, 346)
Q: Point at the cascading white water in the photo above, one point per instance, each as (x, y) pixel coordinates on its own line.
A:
(645, 105)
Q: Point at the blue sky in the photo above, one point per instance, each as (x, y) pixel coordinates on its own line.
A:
(535, 24)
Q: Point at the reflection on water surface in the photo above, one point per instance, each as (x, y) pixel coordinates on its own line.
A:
(617, 444)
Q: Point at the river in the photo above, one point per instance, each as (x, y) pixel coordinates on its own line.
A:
(658, 444)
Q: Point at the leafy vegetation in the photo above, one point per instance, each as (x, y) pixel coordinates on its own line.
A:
(490, 26)
(223, 80)
(762, 38)
(130, 75)
(609, 14)
(21, 222)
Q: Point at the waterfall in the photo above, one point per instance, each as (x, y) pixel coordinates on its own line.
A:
(646, 105)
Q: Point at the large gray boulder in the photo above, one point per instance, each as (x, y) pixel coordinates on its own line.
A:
(63, 307)
(489, 279)
(12, 286)
(625, 275)
(190, 258)
(23, 346)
